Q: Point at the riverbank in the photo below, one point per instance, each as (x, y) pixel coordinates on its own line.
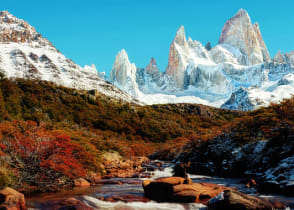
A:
(130, 195)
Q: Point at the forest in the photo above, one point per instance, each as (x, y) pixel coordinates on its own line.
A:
(50, 133)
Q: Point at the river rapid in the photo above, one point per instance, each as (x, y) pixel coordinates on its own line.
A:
(91, 196)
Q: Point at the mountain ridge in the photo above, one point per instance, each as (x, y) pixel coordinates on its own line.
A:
(215, 75)
(194, 74)
(25, 53)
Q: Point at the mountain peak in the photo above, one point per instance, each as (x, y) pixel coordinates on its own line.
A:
(242, 12)
(152, 66)
(238, 32)
(4, 13)
(240, 20)
(152, 62)
(6, 17)
(122, 54)
(123, 73)
(13, 29)
(180, 36)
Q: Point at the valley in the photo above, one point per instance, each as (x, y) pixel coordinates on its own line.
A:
(73, 138)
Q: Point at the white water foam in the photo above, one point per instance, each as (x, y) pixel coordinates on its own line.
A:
(167, 172)
(98, 204)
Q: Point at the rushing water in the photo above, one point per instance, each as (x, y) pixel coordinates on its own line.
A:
(132, 186)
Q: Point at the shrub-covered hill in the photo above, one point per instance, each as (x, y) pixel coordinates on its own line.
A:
(258, 144)
(49, 132)
(41, 101)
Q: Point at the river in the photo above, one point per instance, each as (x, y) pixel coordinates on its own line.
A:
(91, 196)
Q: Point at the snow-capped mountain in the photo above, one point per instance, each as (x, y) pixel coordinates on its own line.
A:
(24, 53)
(237, 73)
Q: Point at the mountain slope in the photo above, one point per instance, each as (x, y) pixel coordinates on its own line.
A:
(24, 53)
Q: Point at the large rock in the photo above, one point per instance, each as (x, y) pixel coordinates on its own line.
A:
(81, 182)
(232, 199)
(116, 166)
(173, 189)
(10, 199)
(161, 190)
(196, 192)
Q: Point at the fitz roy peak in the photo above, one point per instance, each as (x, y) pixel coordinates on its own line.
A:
(24, 53)
(237, 73)
(246, 38)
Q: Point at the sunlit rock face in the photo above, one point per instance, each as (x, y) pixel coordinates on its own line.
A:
(245, 39)
(183, 52)
(13, 29)
(152, 67)
(176, 60)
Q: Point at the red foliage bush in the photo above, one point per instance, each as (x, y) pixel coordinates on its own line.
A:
(40, 148)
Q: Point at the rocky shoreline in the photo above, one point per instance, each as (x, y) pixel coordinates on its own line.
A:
(167, 189)
(269, 162)
(114, 166)
(181, 190)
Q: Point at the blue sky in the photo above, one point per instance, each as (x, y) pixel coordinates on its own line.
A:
(93, 31)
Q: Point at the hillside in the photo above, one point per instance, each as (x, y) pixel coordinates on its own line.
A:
(258, 144)
(84, 125)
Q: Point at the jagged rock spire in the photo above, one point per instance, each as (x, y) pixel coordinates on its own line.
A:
(180, 36)
(239, 33)
(123, 74)
(152, 66)
(176, 64)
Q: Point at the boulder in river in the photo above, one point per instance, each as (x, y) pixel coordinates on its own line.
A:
(81, 182)
(233, 199)
(10, 199)
(174, 189)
